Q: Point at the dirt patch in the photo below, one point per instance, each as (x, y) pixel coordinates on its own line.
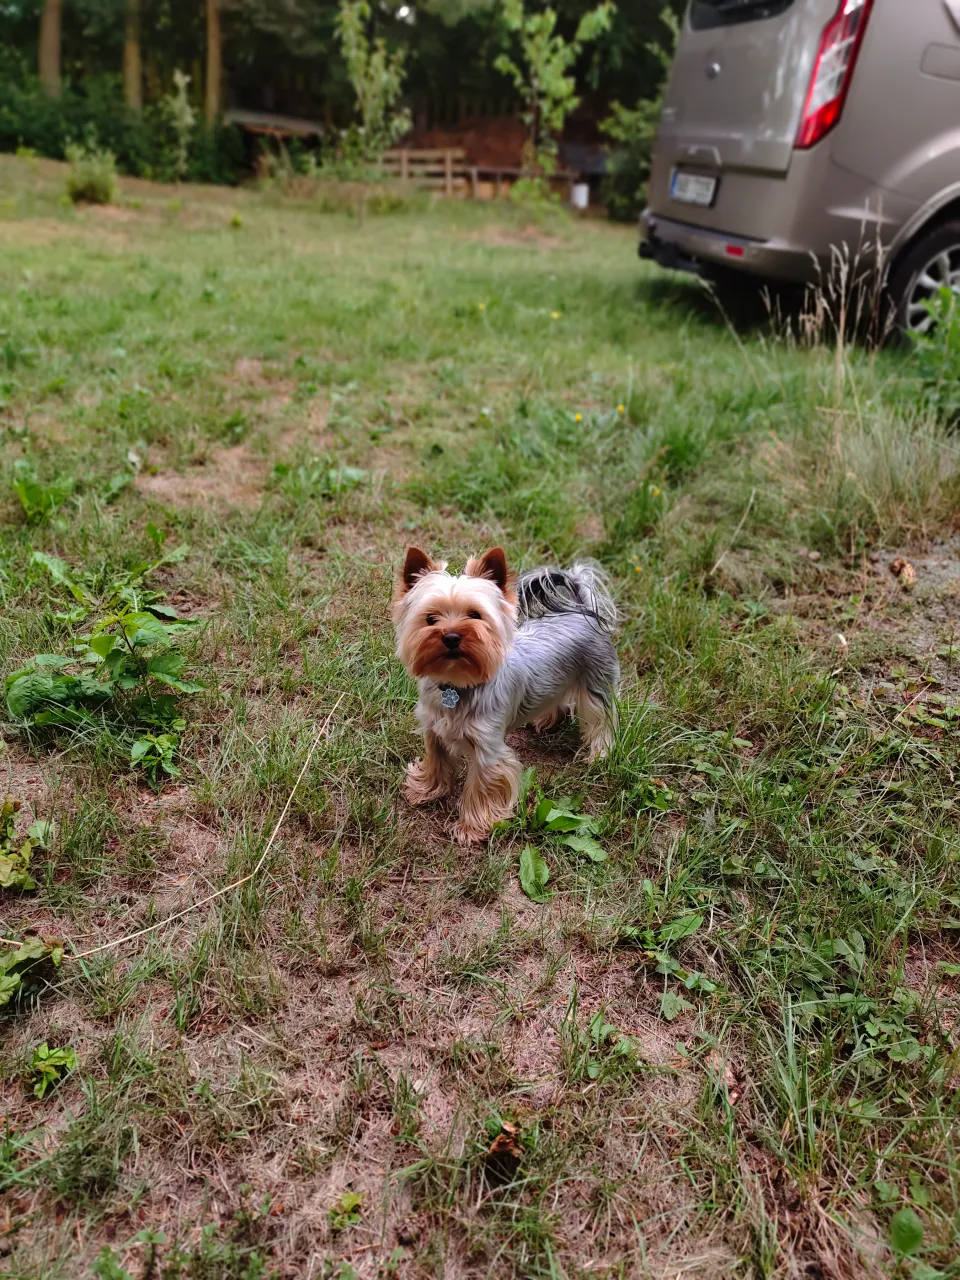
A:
(108, 213)
(229, 479)
(33, 231)
(249, 369)
(32, 782)
(514, 238)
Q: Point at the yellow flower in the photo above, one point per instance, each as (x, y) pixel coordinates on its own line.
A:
(619, 408)
(555, 315)
(481, 306)
(578, 417)
(639, 568)
(655, 492)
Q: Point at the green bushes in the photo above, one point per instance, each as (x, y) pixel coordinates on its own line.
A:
(634, 128)
(143, 145)
(93, 173)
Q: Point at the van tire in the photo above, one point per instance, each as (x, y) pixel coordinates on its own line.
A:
(905, 275)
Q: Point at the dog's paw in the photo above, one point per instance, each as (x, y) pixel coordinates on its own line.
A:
(548, 721)
(419, 788)
(469, 833)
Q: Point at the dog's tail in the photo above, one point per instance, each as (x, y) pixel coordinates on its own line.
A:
(583, 588)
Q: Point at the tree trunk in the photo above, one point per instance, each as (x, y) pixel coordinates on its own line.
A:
(49, 48)
(132, 72)
(214, 62)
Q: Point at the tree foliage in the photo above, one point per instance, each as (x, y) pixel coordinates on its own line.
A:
(634, 128)
(376, 74)
(543, 75)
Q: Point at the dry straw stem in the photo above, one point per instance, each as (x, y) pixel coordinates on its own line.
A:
(195, 906)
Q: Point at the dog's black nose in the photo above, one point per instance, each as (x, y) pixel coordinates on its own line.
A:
(452, 639)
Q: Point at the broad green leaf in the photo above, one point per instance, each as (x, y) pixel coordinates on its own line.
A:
(182, 686)
(29, 692)
(600, 1030)
(586, 845)
(543, 808)
(526, 782)
(58, 569)
(534, 874)
(18, 961)
(144, 629)
(50, 1065)
(346, 477)
(906, 1232)
(681, 927)
(566, 820)
(9, 985)
(43, 832)
(163, 611)
(672, 1005)
(168, 664)
(116, 661)
(116, 485)
(14, 868)
(555, 815)
(102, 644)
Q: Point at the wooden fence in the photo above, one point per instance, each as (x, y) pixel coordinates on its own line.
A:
(447, 170)
(439, 170)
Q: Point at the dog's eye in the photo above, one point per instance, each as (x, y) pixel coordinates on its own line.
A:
(431, 619)
(473, 614)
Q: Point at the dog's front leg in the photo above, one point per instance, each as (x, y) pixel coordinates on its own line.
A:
(433, 776)
(489, 793)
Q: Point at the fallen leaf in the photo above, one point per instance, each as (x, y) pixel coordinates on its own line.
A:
(505, 1143)
(904, 570)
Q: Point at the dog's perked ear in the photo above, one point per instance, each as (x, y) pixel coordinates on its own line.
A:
(493, 565)
(416, 564)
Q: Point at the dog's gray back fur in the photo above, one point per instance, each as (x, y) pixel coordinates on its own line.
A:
(563, 645)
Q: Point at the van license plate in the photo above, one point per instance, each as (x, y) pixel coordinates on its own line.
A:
(693, 188)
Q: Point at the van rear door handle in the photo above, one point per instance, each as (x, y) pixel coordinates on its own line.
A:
(953, 8)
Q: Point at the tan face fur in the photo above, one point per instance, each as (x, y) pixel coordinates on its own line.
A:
(456, 630)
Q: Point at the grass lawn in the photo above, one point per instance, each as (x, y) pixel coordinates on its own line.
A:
(728, 1045)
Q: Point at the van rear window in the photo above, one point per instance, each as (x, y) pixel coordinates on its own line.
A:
(722, 13)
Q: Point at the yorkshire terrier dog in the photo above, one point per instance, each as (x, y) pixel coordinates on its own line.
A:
(492, 653)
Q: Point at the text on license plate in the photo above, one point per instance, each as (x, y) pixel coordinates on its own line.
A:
(693, 188)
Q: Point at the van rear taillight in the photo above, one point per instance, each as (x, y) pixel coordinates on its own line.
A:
(833, 71)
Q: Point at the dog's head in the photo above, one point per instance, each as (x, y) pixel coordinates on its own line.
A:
(457, 630)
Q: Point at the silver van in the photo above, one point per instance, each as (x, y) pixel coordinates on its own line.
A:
(796, 129)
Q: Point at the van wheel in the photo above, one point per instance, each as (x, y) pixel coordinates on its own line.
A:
(929, 265)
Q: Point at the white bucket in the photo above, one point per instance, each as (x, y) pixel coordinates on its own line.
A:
(580, 195)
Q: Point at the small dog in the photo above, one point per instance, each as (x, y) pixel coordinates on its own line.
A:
(492, 653)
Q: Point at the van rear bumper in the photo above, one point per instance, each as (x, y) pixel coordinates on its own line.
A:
(683, 247)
